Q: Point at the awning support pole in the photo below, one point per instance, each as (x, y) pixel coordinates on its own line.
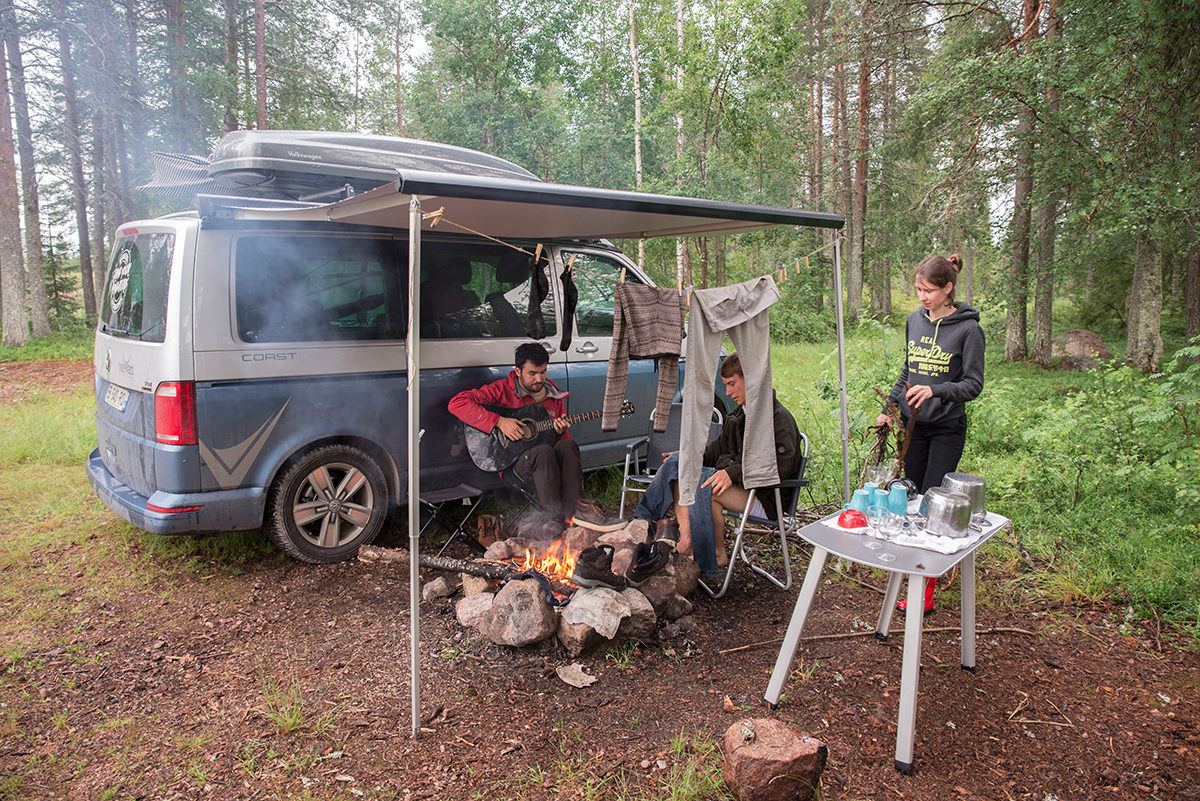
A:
(841, 346)
(412, 346)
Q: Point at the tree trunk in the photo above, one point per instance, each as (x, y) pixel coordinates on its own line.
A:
(98, 189)
(183, 126)
(396, 45)
(76, 158)
(260, 63)
(1143, 306)
(12, 266)
(854, 277)
(860, 175)
(635, 73)
(1191, 291)
(231, 66)
(1016, 328)
(1043, 288)
(35, 269)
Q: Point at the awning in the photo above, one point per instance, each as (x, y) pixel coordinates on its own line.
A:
(517, 209)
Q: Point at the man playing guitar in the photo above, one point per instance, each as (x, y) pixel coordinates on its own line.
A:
(554, 471)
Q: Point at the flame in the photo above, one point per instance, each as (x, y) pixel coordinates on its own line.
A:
(557, 562)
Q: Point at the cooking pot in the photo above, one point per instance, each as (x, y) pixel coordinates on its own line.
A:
(972, 487)
(947, 513)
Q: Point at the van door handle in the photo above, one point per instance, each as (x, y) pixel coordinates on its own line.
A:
(587, 347)
(549, 348)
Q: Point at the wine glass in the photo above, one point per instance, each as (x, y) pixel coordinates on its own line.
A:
(888, 531)
(875, 517)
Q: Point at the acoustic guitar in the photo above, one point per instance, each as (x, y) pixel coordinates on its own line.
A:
(494, 452)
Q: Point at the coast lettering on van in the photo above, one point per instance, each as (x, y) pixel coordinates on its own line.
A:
(269, 357)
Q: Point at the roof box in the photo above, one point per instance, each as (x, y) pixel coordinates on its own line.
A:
(301, 164)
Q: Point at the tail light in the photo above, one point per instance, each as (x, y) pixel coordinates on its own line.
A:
(175, 413)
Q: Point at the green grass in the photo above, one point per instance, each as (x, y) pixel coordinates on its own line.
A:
(74, 343)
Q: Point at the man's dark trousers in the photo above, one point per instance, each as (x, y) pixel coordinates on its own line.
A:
(556, 473)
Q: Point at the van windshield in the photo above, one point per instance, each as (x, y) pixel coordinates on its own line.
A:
(135, 296)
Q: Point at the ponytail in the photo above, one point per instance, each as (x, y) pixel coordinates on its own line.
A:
(940, 271)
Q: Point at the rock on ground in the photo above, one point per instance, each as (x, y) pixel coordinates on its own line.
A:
(599, 607)
(642, 623)
(766, 760)
(470, 611)
(473, 585)
(439, 587)
(519, 615)
(1079, 342)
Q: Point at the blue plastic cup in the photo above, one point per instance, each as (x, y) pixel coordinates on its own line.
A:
(860, 500)
(880, 498)
(898, 500)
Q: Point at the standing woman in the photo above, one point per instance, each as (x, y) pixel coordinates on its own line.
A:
(943, 370)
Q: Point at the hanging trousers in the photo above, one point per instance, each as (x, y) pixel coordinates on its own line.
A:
(739, 310)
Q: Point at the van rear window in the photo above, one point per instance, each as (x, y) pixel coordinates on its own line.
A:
(135, 295)
(300, 288)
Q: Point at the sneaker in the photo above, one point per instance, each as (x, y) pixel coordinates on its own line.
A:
(592, 516)
(648, 559)
(593, 568)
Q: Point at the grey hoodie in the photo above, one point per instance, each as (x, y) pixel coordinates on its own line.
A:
(945, 354)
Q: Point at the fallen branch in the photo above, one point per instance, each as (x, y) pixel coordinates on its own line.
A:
(815, 637)
(498, 571)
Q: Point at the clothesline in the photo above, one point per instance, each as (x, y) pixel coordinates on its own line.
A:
(779, 274)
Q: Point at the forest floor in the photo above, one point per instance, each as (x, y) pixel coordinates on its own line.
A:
(139, 675)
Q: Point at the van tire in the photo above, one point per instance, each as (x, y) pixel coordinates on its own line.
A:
(303, 521)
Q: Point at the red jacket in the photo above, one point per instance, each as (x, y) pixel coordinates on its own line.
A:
(466, 405)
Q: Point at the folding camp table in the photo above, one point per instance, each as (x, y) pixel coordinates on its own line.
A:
(911, 562)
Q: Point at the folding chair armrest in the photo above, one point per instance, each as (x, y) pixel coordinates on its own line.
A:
(636, 445)
(792, 483)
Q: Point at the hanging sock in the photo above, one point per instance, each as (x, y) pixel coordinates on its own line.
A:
(570, 300)
(539, 288)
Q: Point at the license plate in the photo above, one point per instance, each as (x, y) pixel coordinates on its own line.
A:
(116, 397)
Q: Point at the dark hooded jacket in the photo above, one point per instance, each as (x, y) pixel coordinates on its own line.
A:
(945, 354)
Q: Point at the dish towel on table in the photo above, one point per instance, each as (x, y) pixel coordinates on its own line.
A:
(741, 311)
(647, 324)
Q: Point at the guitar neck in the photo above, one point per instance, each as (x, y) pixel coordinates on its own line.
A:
(572, 419)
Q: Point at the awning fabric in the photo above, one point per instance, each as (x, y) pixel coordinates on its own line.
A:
(517, 209)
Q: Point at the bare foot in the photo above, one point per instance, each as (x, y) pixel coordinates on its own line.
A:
(722, 559)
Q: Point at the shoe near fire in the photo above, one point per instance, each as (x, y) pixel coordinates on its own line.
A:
(648, 559)
(591, 515)
(593, 568)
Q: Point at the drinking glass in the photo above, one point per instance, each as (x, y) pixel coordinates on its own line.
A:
(890, 528)
(875, 517)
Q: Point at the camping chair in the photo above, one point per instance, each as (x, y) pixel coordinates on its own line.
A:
(435, 503)
(644, 455)
(785, 523)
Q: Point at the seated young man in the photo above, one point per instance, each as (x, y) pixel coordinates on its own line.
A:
(555, 471)
(702, 526)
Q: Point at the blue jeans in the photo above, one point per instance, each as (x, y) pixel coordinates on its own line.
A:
(658, 499)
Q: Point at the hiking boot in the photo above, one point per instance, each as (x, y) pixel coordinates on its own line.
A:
(648, 559)
(667, 532)
(593, 568)
(591, 515)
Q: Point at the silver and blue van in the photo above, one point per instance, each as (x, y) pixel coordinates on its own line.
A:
(251, 372)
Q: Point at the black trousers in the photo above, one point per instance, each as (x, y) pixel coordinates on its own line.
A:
(934, 451)
(556, 473)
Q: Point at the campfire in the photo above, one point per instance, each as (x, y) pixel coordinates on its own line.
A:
(555, 563)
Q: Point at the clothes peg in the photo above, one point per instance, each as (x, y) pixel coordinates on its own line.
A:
(679, 286)
(806, 266)
(537, 253)
(436, 216)
(688, 302)
(571, 264)
(621, 279)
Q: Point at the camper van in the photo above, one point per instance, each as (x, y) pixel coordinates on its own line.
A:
(251, 369)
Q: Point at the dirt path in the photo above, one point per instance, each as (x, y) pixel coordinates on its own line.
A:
(261, 678)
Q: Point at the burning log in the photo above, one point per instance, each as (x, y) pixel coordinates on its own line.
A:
(487, 569)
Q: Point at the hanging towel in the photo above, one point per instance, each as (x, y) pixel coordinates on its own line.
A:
(740, 310)
(647, 324)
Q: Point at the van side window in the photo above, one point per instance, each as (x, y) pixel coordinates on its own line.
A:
(135, 294)
(596, 279)
(298, 288)
(477, 290)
